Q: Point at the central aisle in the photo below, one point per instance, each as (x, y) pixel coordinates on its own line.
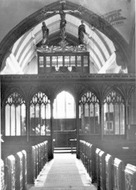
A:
(64, 172)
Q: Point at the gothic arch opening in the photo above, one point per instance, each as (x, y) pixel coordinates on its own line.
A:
(64, 118)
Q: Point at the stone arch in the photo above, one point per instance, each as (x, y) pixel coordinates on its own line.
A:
(88, 16)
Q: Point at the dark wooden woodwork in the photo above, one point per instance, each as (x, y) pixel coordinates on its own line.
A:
(61, 61)
(53, 83)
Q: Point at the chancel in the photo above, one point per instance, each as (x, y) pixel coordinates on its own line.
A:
(68, 95)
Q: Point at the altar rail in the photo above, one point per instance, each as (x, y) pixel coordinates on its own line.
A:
(105, 170)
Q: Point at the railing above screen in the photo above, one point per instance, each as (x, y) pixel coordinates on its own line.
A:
(63, 61)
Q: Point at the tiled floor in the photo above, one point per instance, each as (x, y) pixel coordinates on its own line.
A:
(64, 172)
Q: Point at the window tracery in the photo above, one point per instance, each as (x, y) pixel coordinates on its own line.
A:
(40, 115)
(114, 114)
(15, 115)
(89, 113)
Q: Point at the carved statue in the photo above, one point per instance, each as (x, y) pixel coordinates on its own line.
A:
(62, 24)
(45, 32)
(81, 31)
(63, 21)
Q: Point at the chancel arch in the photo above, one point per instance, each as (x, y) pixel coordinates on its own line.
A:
(25, 51)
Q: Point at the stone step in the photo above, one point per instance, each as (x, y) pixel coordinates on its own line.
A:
(64, 150)
(64, 188)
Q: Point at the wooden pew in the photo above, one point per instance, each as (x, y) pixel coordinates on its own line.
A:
(102, 184)
(119, 178)
(130, 177)
(10, 174)
(109, 171)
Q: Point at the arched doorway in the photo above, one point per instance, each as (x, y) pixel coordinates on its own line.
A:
(64, 116)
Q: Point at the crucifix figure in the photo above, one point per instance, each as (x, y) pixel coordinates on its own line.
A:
(63, 21)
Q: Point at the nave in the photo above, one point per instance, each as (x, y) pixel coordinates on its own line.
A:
(95, 169)
(65, 171)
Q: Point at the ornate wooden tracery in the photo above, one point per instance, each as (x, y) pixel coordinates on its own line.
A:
(40, 114)
(76, 83)
(114, 114)
(89, 113)
(15, 115)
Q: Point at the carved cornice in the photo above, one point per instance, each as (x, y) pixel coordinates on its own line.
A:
(76, 84)
(66, 77)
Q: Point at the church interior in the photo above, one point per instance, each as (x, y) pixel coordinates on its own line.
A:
(68, 86)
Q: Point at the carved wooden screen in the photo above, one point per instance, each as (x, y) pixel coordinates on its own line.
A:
(15, 115)
(40, 115)
(89, 113)
(114, 114)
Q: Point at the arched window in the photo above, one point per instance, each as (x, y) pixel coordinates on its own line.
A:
(40, 113)
(15, 115)
(114, 114)
(89, 113)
